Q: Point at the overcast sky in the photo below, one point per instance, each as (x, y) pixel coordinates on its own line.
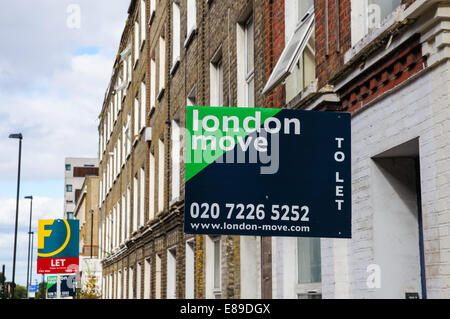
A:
(55, 66)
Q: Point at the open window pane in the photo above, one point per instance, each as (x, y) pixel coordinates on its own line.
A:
(303, 8)
(291, 53)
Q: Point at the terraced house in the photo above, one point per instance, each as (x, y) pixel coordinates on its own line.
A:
(384, 61)
(172, 54)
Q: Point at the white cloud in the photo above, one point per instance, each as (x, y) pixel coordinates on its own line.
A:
(43, 208)
(36, 38)
(49, 93)
(53, 96)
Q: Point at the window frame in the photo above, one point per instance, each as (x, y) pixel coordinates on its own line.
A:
(143, 104)
(162, 67)
(191, 20)
(136, 110)
(249, 74)
(190, 275)
(176, 159)
(172, 264)
(137, 41)
(152, 186)
(135, 202)
(147, 278)
(142, 196)
(360, 17)
(216, 81)
(176, 34)
(217, 264)
(143, 23)
(161, 175)
(307, 289)
(297, 43)
(153, 95)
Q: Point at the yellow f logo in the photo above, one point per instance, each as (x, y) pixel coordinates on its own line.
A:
(42, 232)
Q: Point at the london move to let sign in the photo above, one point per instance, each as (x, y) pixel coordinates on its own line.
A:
(58, 246)
(267, 172)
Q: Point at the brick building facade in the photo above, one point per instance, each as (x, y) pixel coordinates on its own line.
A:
(190, 55)
(86, 212)
(386, 62)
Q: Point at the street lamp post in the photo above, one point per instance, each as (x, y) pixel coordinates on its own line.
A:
(19, 137)
(3, 283)
(31, 259)
(92, 228)
(43, 287)
(29, 242)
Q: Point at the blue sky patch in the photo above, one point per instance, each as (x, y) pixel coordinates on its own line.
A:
(92, 50)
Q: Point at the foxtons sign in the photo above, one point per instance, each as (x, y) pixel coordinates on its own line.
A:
(58, 246)
(267, 172)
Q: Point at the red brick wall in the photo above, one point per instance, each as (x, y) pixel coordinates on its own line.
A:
(83, 171)
(274, 34)
(330, 54)
(388, 73)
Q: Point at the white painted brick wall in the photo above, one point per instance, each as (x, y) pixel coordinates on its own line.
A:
(420, 108)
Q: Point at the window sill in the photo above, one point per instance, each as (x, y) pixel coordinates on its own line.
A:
(175, 66)
(141, 130)
(175, 200)
(217, 292)
(136, 139)
(152, 110)
(160, 94)
(190, 36)
(152, 15)
(304, 96)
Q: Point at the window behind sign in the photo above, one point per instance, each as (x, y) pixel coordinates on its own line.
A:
(296, 64)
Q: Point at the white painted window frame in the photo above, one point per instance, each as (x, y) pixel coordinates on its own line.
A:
(190, 269)
(161, 175)
(292, 52)
(171, 272)
(176, 33)
(249, 72)
(176, 160)
(152, 186)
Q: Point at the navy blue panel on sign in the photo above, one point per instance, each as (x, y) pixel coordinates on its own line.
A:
(68, 286)
(300, 187)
